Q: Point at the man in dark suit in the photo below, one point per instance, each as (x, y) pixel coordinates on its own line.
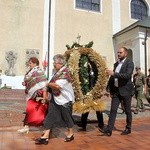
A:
(120, 88)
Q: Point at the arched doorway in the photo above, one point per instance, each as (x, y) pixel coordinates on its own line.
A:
(130, 54)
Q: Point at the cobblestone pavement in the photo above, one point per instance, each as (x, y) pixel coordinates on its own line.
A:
(11, 116)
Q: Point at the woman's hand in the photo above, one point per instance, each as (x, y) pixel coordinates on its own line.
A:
(53, 85)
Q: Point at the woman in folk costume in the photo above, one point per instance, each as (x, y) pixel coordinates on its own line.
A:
(62, 98)
(36, 96)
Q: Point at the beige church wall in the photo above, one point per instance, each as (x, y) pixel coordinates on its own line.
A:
(125, 15)
(21, 29)
(91, 26)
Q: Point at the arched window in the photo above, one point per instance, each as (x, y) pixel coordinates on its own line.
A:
(138, 10)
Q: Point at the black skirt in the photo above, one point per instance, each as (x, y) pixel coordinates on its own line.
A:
(59, 115)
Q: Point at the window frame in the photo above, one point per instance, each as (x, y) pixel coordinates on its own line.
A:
(137, 15)
(90, 4)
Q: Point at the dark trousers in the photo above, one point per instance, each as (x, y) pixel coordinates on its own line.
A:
(99, 118)
(116, 100)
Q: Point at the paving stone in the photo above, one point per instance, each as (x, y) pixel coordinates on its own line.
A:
(11, 116)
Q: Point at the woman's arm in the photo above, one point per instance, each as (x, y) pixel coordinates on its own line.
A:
(54, 86)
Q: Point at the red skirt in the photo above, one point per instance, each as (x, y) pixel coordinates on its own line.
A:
(35, 113)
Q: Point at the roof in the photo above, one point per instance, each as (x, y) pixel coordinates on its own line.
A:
(141, 23)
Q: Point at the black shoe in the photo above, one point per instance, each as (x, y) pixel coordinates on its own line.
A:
(69, 139)
(101, 129)
(44, 133)
(107, 133)
(126, 132)
(79, 124)
(81, 129)
(40, 141)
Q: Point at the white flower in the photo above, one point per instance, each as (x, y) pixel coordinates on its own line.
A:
(86, 64)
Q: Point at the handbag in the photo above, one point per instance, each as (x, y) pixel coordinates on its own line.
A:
(35, 113)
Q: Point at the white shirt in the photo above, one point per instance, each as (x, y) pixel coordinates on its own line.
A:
(118, 68)
(66, 92)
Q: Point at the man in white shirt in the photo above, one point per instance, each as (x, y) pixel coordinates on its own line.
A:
(120, 88)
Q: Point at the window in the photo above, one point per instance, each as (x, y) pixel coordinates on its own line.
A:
(138, 10)
(93, 5)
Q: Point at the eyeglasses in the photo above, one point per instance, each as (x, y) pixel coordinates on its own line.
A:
(57, 63)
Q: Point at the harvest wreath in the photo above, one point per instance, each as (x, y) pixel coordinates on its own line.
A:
(92, 99)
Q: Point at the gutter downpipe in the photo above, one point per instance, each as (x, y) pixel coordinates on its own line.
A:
(145, 49)
(48, 46)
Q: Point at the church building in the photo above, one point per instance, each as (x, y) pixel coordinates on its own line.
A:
(43, 28)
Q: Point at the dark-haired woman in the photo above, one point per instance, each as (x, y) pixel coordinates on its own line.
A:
(36, 96)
